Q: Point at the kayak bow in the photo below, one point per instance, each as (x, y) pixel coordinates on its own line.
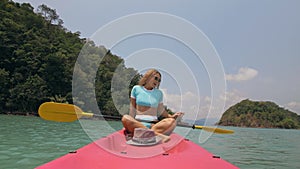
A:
(112, 152)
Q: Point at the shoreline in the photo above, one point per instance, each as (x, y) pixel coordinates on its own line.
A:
(102, 117)
(116, 118)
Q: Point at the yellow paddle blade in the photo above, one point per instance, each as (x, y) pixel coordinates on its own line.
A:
(214, 129)
(61, 112)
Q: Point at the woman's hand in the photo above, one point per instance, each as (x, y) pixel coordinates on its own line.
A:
(177, 114)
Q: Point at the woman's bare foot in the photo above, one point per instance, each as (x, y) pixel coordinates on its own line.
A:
(164, 138)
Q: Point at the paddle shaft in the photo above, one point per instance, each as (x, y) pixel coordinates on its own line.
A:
(61, 112)
(207, 128)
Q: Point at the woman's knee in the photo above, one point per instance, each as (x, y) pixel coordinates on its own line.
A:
(126, 119)
(171, 124)
(129, 121)
(170, 121)
(165, 124)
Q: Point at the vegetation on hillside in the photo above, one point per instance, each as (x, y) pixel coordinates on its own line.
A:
(37, 60)
(260, 114)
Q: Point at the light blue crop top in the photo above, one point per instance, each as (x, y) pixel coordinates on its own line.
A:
(146, 97)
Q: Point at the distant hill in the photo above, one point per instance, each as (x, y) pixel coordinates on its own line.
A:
(211, 121)
(259, 114)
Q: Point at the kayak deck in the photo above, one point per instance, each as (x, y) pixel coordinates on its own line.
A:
(112, 152)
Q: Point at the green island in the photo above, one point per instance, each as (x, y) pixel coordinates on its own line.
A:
(259, 114)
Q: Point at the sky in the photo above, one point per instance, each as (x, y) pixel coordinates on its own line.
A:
(212, 54)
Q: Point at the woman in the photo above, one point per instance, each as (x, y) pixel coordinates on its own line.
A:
(146, 106)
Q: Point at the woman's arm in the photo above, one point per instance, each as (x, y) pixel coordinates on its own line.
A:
(132, 111)
(163, 112)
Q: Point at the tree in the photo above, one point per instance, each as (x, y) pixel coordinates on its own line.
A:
(49, 14)
(4, 93)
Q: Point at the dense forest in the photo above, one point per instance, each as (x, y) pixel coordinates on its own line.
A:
(259, 114)
(37, 63)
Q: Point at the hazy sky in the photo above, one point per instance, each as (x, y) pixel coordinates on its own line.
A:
(257, 42)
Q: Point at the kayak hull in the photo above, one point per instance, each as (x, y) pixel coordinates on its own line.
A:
(112, 152)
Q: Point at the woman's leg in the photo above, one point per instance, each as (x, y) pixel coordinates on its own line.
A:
(165, 126)
(130, 124)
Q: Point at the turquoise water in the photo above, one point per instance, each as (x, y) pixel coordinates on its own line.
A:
(27, 142)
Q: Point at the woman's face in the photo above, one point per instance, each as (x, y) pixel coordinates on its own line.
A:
(154, 81)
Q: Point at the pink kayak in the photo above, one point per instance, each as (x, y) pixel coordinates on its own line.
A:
(112, 152)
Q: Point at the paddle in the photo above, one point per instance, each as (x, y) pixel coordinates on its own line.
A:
(62, 112)
(209, 129)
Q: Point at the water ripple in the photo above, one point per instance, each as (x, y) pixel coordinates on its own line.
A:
(26, 142)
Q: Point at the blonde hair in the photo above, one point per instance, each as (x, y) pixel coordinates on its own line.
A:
(147, 76)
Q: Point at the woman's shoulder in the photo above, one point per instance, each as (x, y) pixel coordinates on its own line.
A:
(158, 91)
(136, 86)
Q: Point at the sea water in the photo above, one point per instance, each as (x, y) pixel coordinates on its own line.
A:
(27, 142)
